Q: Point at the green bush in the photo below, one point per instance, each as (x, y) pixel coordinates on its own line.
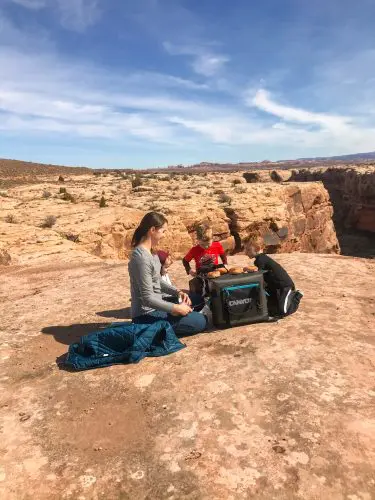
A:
(49, 221)
(72, 237)
(240, 189)
(68, 197)
(137, 181)
(224, 198)
(11, 219)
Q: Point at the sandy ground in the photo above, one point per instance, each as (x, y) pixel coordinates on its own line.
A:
(270, 411)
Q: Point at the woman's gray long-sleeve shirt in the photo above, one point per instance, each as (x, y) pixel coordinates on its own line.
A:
(146, 285)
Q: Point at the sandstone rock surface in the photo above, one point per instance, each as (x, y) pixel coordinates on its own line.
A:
(294, 217)
(268, 411)
(233, 207)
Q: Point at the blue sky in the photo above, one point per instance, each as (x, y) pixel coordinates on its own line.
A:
(145, 83)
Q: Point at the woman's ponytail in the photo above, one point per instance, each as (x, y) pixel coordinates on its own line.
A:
(151, 219)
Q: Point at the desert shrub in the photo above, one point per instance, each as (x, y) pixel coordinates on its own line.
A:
(97, 174)
(72, 237)
(68, 197)
(11, 219)
(49, 221)
(4, 194)
(185, 177)
(240, 189)
(198, 191)
(46, 194)
(224, 198)
(218, 191)
(61, 178)
(186, 196)
(236, 181)
(62, 190)
(102, 203)
(137, 181)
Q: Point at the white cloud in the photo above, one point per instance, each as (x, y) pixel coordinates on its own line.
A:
(78, 15)
(205, 61)
(262, 100)
(75, 15)
(31, 4)
(209, 65)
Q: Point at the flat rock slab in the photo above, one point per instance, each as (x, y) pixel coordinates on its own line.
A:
(269, 411)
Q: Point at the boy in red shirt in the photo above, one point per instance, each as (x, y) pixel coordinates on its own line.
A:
(205, 254)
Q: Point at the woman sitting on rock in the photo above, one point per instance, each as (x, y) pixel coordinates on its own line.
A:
(147, 288)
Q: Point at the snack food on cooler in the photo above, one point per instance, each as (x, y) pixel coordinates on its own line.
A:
(236, 270)
(214, 274)
(250, 269)
(222, 270)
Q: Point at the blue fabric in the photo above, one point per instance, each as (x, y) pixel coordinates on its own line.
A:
(190, 324)
(123, 343)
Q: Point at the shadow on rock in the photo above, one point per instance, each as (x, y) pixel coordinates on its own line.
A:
(69, 334)
(124, 313)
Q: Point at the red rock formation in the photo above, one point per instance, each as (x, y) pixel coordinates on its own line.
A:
(352, 192)
(295, 217)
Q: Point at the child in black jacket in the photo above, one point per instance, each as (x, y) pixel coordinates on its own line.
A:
(283, 297)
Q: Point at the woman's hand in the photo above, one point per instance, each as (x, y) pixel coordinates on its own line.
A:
(192, 273)
(185, 298)
(181, 310)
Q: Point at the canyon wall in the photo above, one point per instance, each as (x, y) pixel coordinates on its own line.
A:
(291, 217)
(352, 192)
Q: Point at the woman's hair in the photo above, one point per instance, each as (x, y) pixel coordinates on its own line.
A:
(152, 219)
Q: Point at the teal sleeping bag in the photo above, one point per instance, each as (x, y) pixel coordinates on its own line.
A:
(122, 343)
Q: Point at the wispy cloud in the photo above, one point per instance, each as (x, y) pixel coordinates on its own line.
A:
(75, 15)
(30, 4)
(78, 14)
(205, 61)
(263, 101)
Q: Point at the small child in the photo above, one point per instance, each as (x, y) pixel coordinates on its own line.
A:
(283, 296)
(166, 262)
(206, 253)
